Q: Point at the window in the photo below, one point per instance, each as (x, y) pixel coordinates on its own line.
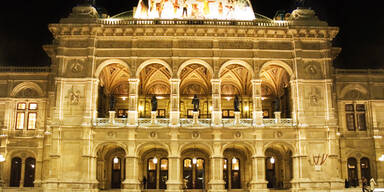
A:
(157, 174)
(26, 117)
(355, 117)
(352, 172)
(194, 173)
(365, 168)
(29, 173)
(15, 172)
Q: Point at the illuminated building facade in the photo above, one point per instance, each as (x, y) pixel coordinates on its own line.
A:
(86, 122)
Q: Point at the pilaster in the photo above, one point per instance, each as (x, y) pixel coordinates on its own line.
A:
(175, 103)
(216, 103)
(257, 103)
(133, 97)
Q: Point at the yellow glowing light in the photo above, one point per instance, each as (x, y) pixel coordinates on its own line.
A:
(272, 160)
(381, 158)
(234, 160)
(124, 98)
(195, 9)
(155, 160)
(141, 108)
(210, 108)
(115, 160)
(194, 160)
(246, 108)
(2, 159)
(228, 98)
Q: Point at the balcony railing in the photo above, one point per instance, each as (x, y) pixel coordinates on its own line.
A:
(164, 122)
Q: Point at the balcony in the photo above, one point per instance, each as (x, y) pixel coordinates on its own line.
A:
(189, 123)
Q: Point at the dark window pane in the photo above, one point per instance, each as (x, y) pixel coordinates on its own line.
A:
(350, 121)
(349, 107)
(360, 107)
(15, 172)
(29, 174)
(361, 121)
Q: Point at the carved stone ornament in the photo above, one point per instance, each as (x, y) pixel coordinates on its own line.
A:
(153, 134)
(77, 66)
(314, 96)
(238, 134)
(354, 94)
(195, 135)
(311, 69)
(74, 96)
(27, 93)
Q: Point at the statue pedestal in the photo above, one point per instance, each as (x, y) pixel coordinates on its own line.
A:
(258, 118)
(112, 115)
(278, 117)
(237, 118)
(195, 118)
(153, 117)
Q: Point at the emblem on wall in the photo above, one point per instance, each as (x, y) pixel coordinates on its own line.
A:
(77, 65)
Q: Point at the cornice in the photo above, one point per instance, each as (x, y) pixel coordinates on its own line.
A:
(193, 31)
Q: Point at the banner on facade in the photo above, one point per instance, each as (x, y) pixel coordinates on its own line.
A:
(195, 9)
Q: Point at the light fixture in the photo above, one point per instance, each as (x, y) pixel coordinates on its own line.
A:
(2, 159)
(263, 98)
(246, 108)
(115, 160)
(228, 98)
(155, 160)
(123, 98)
(272, 160)
(194, 160)
(141, 108)
(33, 166)
(234, 160)
(381, 158)
(210, 108)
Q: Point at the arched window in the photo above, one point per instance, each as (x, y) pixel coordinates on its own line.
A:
(29, 174)
(365, 168)
(194, 173)
(352, 172)
(157, 173)
(15, 172)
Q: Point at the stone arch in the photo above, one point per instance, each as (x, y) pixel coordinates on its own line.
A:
(109, 62)
(281, 64)
(23, 154)
(243, 146)
(153, 61)
(290, 146)
(351, 87)
(194, 61)
(237, 62)
(142, 148)
(358, 155)
(100, 145)
(198, 145)
(27, 85)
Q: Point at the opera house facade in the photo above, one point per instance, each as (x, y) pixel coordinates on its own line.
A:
(190, 96)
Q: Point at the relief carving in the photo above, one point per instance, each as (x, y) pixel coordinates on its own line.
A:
(74, 96)
(314, 96)
(27, 93)
(77, 65)
(313, 71)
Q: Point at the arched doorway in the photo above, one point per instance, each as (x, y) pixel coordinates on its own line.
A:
(155, 168)
(195, 80)
(195, 168)
(352, 172)
(29, 174)
(275, 91)
(15, 172)
(154, 81)
(111, 167)
(278, 167)
(113, 90)
(236, 81)
(365, 168)
(236, 167)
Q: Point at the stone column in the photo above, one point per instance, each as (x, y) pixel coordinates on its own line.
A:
(216, 184)
(174, 183)
(174, 115)
(258, 182)
(132, 107)
(216, 103)
(257, 103)
(22, 173)
(131, 182)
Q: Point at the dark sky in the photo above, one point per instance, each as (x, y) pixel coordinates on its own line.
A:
(24, 27)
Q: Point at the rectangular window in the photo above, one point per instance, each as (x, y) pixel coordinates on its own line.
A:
(361, 122)
(32, 120)
(32, 106)
(20, 121)
(21, 106)
(350, 121)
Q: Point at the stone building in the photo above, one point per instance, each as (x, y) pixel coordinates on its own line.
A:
(86, 123)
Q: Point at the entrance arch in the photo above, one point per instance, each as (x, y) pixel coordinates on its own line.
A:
(110, 166)
(195, 168)
(278, 166)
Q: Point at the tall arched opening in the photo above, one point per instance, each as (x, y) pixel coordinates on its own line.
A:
(278, 166)
(110, 170)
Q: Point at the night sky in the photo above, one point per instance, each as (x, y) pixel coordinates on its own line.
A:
(24, 27)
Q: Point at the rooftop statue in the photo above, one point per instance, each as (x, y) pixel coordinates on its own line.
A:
(195, 9)
(86, 2)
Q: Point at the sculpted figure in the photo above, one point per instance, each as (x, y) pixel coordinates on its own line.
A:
(236, 103)
(196, 103)
(154, 103)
